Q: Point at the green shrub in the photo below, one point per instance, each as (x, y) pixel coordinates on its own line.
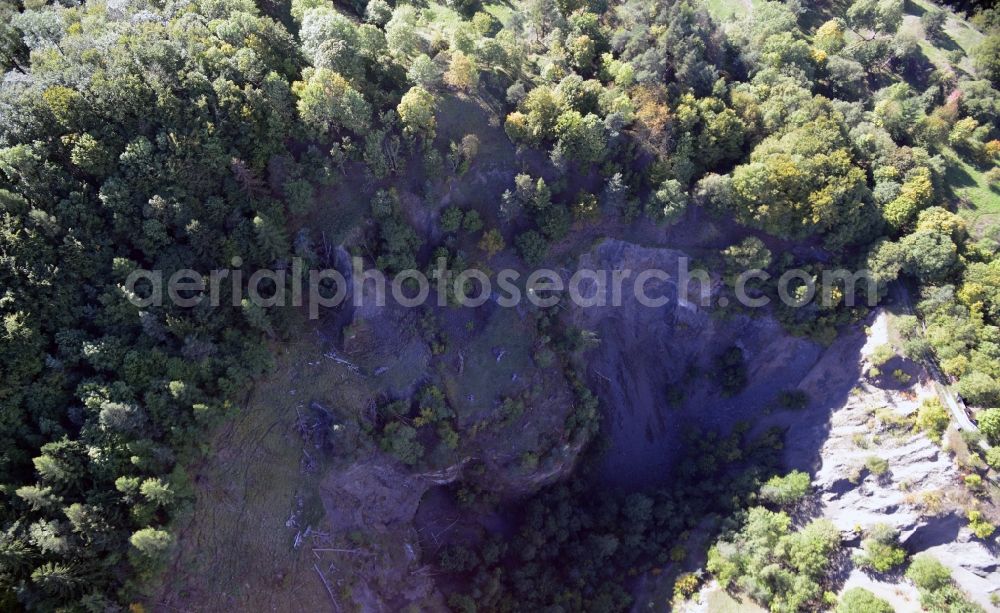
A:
(151, 548)
(451, 219)
(786, 490)
(675, 397)
(881, 355)
(299, 196)
(401, 441)
(457, 558)
(933, 418)
(730, 371)
(876, 465)
(881, 550)
(928, 573)
(532, 246)
(793, 399)
(989, 425)
(972, 438)
(890, 419)
(860, 600)
(685, 585)
(472, 222)
(974, 482)
(993, 457)
(948, 599)
(979, 525)
(778, 568)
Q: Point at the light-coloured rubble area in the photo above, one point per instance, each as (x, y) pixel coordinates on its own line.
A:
(921, 495)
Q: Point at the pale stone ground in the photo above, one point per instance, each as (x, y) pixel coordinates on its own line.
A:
(854, 500)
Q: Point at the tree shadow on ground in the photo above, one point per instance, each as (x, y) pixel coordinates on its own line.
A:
(937, 530)
(899, 373)
(918, 70)
(958, 177)
(829, 384)
(840, 569)
(945, 42)
(912, 8)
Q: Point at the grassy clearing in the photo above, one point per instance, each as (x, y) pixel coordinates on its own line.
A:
(978, 203)
(976, 200)
(484, 378)
(726, 10)
(960, 31)
(444, 18)
(458, 116)
(235, 550)
(440, 18)
(721, 602)
(501, 10)
(959, 35)
(339, 209)
(493, 169)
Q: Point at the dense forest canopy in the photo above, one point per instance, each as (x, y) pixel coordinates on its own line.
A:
(195, 134)
(131, 137)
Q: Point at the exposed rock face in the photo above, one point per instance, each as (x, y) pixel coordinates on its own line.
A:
(853, 497)
(974, 565)
(645, 352)
(921, 494)
(852, 419)
(379, 499)
(372, 500)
